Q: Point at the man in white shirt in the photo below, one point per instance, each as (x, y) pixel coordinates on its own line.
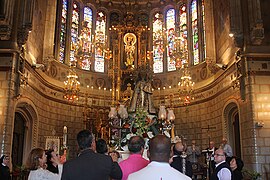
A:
(159, 167)
(222, 170)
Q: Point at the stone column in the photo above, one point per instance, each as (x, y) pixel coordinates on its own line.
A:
(255, 20)
(236, 26)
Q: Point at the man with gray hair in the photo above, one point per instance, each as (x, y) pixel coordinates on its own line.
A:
(226, 147)
(222, 170)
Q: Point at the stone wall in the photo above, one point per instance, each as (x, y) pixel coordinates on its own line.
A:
(257, 151)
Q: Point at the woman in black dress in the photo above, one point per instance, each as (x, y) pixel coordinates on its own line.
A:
(4, 170)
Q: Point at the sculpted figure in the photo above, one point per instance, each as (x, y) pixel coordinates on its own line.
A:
(142, 96)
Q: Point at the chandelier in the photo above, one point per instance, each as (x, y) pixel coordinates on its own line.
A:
(186, 86)
(90, 45)
(179, 53)
(84, 48)
(100, 39)
(72, 86)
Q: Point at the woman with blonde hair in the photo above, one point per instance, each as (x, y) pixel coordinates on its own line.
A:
(36, 163)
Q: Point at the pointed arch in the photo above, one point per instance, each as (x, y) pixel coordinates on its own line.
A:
(28, 111)
(232, 125)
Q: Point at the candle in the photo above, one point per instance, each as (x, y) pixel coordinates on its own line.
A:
(65, 136)
(65, 130)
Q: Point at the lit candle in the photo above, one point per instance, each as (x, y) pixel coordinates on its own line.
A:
(65, 136)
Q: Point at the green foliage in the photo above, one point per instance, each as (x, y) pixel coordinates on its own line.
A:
(20, 172)
(250, 174)
(141, 123)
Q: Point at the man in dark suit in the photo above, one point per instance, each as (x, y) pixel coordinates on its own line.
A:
(90, 165)
(222, 170)
(179, 159)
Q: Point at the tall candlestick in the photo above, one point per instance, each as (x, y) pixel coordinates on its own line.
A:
(65, 136)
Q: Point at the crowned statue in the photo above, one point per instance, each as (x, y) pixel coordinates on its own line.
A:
(142, 95)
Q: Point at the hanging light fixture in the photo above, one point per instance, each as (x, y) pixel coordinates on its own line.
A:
(72, 86)
(160, 35)
(84, 50)
(178, 54)
(186, 86)
(166, 117)
(100, 40)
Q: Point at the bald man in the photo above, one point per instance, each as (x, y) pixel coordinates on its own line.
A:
(177, 161)
(211, 153)
(222, 170)
(159, 167)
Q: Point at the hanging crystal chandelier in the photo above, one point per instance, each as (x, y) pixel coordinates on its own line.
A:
(100, 40)
(84, 50)
(186, 86)
(159, 35)
(72, 86)
(178, 54)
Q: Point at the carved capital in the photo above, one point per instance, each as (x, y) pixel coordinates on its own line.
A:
(213, 69)
(23, 34)
(238, 39)
(211, 66)
(257, 34)
(5, 32)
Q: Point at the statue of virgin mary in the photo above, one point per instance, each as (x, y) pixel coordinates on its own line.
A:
(142, 95)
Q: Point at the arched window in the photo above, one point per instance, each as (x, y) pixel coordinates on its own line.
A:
(170, 25)
(195, 33)
(190, 31)
(80, 45)
(63, 31)
(198, 31)
(99, 41)
(203, 25)
(183, 30)
(158, 43)
(74, 31)
(87, 35)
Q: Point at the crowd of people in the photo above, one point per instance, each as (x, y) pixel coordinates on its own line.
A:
(166, 161)
(220, 160)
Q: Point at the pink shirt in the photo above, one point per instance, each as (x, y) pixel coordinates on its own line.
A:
(133, 163)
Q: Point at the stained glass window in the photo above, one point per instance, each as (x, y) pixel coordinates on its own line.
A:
(87, 44)
(183, 29)
(158, 43)
(74, 31)
(100, 40)
(63, 29)
(204, 40)
(170, 25)
(195, 35)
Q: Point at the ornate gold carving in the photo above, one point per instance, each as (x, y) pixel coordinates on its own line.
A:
(100, 82)
(130, 40)
(257, 34)
(23, 34)
(5, 32)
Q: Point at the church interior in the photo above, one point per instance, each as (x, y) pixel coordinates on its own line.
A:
(199, 69)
